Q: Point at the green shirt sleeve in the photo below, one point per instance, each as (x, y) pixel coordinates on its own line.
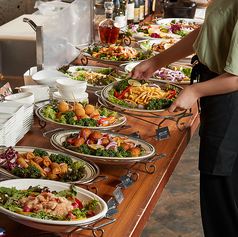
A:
(232, 58)
(217, 42)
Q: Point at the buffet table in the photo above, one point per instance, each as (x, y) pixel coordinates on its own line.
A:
(140, 198)
(150, 178)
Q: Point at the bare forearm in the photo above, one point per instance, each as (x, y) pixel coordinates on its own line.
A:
(180, 50)
(222, 84)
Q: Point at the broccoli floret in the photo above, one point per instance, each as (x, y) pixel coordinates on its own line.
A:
(40, 152)
(122, 151)
(156, 104)
(60, 158)
(84, 149)
(128, 154)
(81, 69)
(89, 122)
(96, 48)
(109, 153)
(99, 152)
(29, 172)
(69, 117)
(122, 85)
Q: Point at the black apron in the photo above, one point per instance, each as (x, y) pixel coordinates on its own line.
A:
(218, 128)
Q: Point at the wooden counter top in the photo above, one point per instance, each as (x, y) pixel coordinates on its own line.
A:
(140, 198)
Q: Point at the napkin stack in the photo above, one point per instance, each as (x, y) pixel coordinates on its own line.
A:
(16, 120)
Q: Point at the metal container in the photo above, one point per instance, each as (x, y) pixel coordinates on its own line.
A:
(179, 9)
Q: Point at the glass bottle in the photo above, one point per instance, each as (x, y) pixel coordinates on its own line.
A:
(137, 12)
(108, 30)
(120, 19)
(118, 14)
(147, 8)
(130, 11)
(142, 10)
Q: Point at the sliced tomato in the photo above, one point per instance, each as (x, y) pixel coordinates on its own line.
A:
(90, 213)
(80, 203)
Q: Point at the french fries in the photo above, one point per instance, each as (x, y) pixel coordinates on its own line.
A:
(142, 94)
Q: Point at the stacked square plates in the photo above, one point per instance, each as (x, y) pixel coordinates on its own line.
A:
(16, 120)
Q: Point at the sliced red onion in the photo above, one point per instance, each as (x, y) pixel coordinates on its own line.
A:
(129, 103)
(115, 122)
(153, 85)
(111, 144)
(85, 137)
(3, 163)
(140, 106)
(99, 142)
(161, 75)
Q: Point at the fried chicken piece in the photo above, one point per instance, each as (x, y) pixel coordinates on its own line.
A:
(96, 135)
(85, 133)
(135, 151)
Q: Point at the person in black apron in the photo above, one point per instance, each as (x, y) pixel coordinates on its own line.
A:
(216, 44)
(217, 159)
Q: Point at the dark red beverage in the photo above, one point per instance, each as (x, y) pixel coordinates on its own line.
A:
(108, 34)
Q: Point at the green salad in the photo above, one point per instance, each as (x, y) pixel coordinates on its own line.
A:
(38, 202)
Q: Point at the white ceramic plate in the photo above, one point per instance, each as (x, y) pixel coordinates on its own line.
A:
(58, 138)
(105, 94)
(52, 225)
(165, 21)
(39, 112)
(92, 170)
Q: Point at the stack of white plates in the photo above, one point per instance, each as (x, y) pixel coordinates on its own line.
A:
(59, 97)
(16, 120)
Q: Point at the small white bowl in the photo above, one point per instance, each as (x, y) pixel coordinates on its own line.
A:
(36, 89)
(48, 77)
(65, 83)
(77, 91)
(39, 91)
(59, 97)
(24, 97)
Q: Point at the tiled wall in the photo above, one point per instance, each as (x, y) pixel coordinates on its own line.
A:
(11, 9)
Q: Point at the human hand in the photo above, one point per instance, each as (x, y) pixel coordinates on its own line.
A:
(185, 100)
(143, 70)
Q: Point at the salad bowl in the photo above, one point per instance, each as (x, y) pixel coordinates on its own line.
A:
(54, 225)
